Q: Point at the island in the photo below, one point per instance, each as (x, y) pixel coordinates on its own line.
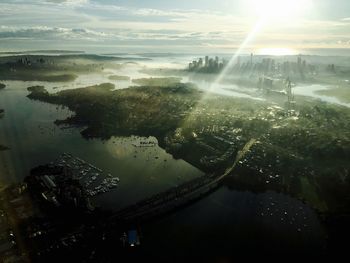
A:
(118, 77)
(303, 152)
(157, 82)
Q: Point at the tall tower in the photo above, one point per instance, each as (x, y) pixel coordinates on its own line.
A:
(289, 90)
(217, 60)
(290, 96)
(200, 63)
(299, 61)
(206, 63)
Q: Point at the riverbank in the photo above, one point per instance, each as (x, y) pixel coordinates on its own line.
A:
(340, 93)
(3, 147)
(208, 133)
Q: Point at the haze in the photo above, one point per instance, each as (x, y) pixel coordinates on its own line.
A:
(174, 26)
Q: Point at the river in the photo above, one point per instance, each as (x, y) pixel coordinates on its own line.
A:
(226, 219)
(311, 91)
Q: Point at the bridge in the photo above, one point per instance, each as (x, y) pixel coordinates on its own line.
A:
(177, 196)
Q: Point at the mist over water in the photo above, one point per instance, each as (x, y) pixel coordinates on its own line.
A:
(174, 131)
(149, 171)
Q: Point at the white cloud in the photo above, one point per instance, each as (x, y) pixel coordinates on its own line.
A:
(68, 2)
(51, 33)
(92, 21)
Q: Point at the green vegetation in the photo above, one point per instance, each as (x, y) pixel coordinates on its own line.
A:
(304, 154)
(63, 68)
(157, 82)
(35, 76)
(117, 77)
(341, 93)
(2, 147)
(309, 193)
(137, 110)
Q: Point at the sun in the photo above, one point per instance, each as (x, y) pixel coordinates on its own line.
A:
(280, 9)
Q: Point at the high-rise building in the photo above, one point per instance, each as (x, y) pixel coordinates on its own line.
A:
(290, 96)
(190, 66)
(273, 65)
(200, 63)
(211, 63)
(299, 62)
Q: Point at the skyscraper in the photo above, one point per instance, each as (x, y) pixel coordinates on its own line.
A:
(299, 62)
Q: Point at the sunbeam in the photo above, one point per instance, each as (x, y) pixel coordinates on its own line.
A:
(256, 29)
(252, 34)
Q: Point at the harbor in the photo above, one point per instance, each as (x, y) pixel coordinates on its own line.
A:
(94, 179)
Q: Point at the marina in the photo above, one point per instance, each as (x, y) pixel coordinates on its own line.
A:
(151, 174)
(94, 180)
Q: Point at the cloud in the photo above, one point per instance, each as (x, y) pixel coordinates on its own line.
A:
(83, 34)
(69, 2)
(110, 24)
(50, 33)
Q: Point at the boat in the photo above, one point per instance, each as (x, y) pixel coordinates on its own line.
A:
(145, 143)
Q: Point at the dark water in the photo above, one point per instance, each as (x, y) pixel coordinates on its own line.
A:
(222, 223)
(228, 223)
(28, 129)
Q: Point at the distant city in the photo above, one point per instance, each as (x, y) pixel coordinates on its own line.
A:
(252, 65)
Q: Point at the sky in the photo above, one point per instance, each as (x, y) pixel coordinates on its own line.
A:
(105, 26)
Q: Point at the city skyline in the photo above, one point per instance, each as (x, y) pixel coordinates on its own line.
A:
(165, 26)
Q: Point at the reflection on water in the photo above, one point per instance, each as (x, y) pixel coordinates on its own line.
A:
(28, 129)
(236, 223)
(229, 218)
(224, 89)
